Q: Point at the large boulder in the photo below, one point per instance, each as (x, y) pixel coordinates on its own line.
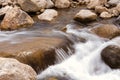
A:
(111, 54)
(32, 5)
(106, 30)
(62, 3)
(85, 16)
(48, 15)
(16, 18)
(11, 69)
(39, 52)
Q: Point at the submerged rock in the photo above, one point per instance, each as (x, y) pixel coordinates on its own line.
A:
(38, 52)
(100, 9)
(85, 16)
(16, 18)
(48, 15)
(106, 30)
(111, 54)
(62, 3)
(11, 69)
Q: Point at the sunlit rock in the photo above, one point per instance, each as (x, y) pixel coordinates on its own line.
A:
(4, 10)
(11, 69)
(111, 54)
(5, 2)
(48, 15)
(85, 16)
(32, 5)
(50, 4)
(106, 30)
(38, 52)
(62, 3)
(16, 18)
(105, 15)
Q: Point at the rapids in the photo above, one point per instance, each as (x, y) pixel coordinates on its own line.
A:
(85, 64)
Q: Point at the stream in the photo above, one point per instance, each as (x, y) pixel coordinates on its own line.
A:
(85, 63)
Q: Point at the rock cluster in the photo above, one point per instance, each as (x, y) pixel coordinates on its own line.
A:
(105, 9)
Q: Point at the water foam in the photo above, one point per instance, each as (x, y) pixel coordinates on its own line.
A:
(86, 63)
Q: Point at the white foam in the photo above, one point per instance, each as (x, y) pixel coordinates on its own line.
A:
(86, 63)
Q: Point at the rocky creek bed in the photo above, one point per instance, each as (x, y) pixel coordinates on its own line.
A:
(59, 39)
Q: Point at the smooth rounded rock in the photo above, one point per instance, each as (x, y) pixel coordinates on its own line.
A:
(106, 31)
(85, 16)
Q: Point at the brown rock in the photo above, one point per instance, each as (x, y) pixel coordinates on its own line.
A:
(16, 18)
(39, 52)
(106, 31)
(100, 9)
(111, 56)
(32, 5)
(85, 16)
(62, 3)
(118, 7)
(11, 69)
(93, 3)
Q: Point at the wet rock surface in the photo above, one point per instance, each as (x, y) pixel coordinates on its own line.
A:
(111, 56)
(106, 30)
(38, 52)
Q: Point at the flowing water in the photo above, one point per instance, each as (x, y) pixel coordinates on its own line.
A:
(86, 63)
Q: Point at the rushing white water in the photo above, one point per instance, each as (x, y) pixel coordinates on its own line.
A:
(86, 63)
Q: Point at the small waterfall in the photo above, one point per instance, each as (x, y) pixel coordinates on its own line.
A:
(85, 64)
